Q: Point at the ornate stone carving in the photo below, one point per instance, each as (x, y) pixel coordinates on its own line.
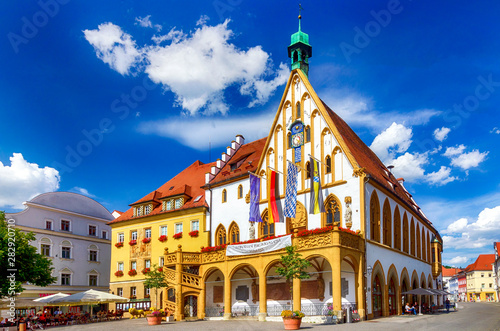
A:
(315, 240)
(300, 220)
(169, 274)
(214, 256)
(191, 258)
(251, 230)
(358, 172)
(349, 240)
(247, 197)
(348, 213)
(192, 280)
(171, 258)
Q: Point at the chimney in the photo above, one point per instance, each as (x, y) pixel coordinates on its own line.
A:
(401, 180)
(214, 170)
(219, 164)
(208, 177)
(234, 145)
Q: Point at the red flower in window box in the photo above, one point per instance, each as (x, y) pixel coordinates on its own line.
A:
(213, 248)
(145, 270)
(119, 273)
(132, 242)
(132, 272)
(163, 238)
(178, 235)
(119, 244)
(194, 233)
(160, 269)
(146, 240)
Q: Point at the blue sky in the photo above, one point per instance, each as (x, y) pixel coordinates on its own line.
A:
(113, 99)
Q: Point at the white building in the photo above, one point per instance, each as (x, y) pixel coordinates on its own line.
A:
(71, 230)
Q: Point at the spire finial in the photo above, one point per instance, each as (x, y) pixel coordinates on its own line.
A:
(300, 15)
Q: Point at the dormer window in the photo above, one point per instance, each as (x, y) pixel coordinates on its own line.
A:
(147, 209)
(179, 202)
(170, 204)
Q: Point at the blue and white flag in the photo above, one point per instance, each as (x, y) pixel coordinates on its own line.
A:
(254, 199)
(291, 191)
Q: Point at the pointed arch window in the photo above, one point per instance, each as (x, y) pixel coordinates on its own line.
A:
(240, 191)
(405, 234)
(234, 233)
(220, 235)
(333, 212)
(299, 112)
(266, 229)
(289, 139)
(224, 196)
(397, 229)
(308, 172)
(374, 218)
(328, 162)
(387, 223)
(308, 134)
(424, 251)
(412, 237)
(419, 249)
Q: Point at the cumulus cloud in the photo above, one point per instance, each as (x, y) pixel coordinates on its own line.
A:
(114, 47)
(495, 130)
(22, 181)
(220, 131)
(145, 22)
(441, 134)
(197, 66)
(476, 234)
(410, 166)
(464, 160)
(440, 177)
(457, 261)
(395, 139)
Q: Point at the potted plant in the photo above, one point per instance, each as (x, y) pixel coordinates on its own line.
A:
(146, 240)
(194, 233)
(119, 244)
(293, 266)
(132, 242)
(119, 273)
(178, 235)
(154, 316)
(162, 238)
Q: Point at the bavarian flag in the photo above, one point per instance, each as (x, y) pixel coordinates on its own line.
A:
(273, 196)
(316, 202)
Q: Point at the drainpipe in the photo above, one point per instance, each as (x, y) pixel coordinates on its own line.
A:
(366, 179)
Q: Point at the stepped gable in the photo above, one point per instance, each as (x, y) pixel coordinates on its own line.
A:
(244, 160)
(483, 262)
(368, 160)
(187, 183)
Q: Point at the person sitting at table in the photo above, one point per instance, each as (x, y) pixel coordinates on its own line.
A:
(410, 310)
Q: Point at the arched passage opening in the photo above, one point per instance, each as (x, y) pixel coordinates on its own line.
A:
(244, 289)
(214, 293)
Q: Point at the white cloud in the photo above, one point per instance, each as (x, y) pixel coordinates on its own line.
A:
(203, 20)
(476, 234)
(200, 66)
(221, 131)
(114, 47)
(82, 191)
(145, 22)
(22, 181)
(495, 130)
(394, 139)
(410, 166)
(197, 67)
(464, 160)
(440, 177)
(441, 134)
(457, 260)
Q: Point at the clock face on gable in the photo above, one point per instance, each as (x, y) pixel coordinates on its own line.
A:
(297, 130)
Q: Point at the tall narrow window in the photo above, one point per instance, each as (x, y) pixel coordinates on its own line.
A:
(240, 191)
(147, 233)
(298, 110)
(418, 242)
(195, 225)
(266, 229)
(133, 235)
(289, 139)
(328, 162)
(220, 235)
(178, 228)
(308, 168)
(397, 229)
(308, 134)
(332, 208)
(234, 233)
(163, 230)
(405, 234)
(412, 237)
(224, 196)
(374, 218)
(387, 223)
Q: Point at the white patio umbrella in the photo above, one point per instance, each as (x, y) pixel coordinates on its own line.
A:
(420, 291)
(49, 299)
(90, 297)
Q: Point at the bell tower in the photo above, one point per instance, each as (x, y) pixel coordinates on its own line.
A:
(299, 50)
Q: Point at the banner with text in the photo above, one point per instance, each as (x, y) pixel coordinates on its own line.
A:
(259, 247)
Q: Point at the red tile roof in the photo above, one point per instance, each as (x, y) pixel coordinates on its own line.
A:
(368, 160)
(449, 272)
(497, 246)
(187, 183)
(248, 155)
(483, 262)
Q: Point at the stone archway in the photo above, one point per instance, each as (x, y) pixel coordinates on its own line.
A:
(377, 296)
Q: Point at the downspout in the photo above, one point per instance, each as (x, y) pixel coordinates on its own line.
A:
(365, 180)
(210, 215)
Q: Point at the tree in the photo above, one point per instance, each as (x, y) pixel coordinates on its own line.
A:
(293, 266)
(20, 261)
(155, 279)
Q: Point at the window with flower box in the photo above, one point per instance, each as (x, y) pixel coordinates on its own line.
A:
(121, 237)
(147, 263)
(195, 225)
(178, 228)
(120, 266)
(163, 230)
(147, 233)
(133, 265)
(133, 235)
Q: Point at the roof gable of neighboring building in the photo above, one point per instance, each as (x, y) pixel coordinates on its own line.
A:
(483, 263)
(188, 184)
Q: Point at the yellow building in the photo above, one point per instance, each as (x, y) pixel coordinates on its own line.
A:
(172, 215)
(481, 280)
(371, 244)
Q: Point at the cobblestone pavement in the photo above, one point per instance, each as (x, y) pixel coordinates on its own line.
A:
(470, 316)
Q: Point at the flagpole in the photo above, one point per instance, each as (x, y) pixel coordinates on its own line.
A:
(251, 173)
(312, 157)
(275, 170)
(296, 165)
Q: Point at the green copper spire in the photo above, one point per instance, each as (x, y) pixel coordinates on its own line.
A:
(299, 50)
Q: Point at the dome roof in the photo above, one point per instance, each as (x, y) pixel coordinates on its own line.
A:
(73, 202)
